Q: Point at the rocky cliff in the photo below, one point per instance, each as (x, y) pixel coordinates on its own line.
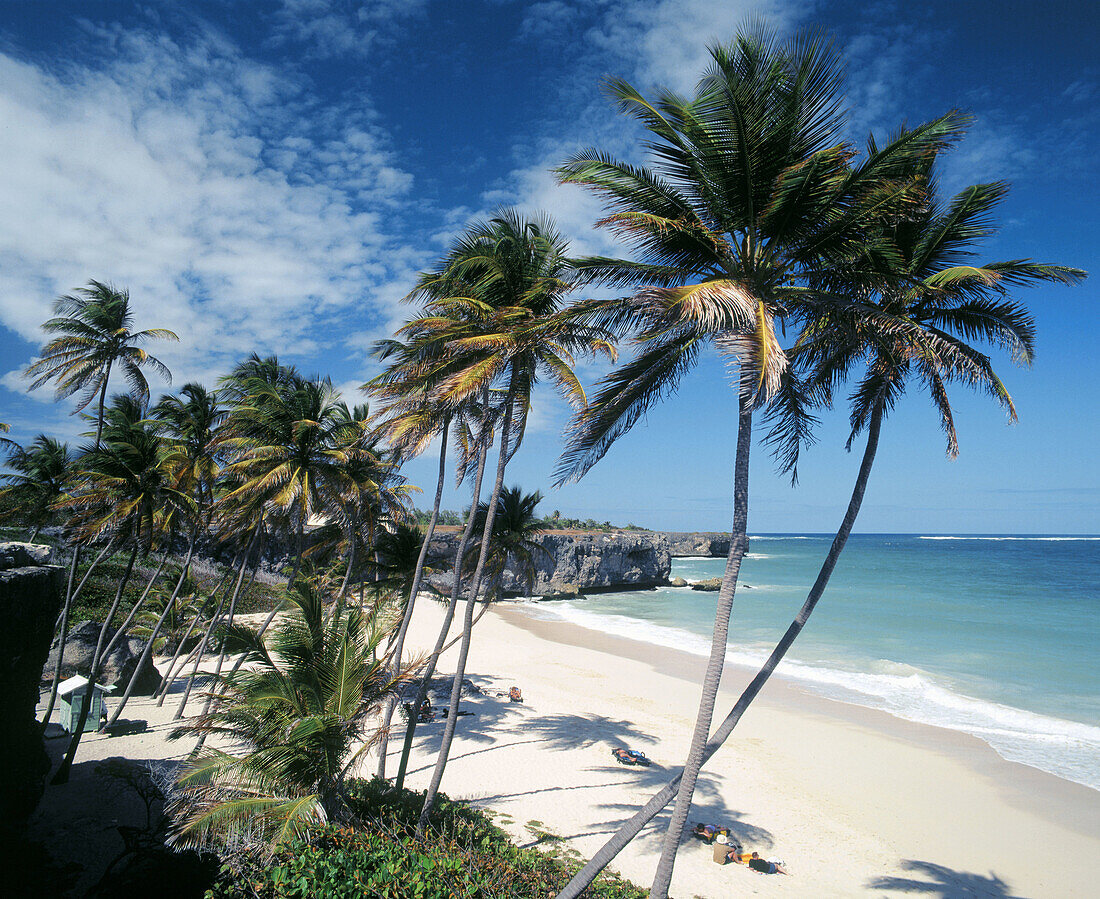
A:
(698, 543)
(30, 600)
(596, 561)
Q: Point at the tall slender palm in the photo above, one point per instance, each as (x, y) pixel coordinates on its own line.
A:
(95, 334)
(122, 491)
(519, 268)
(919, 304)
(751, 191)
(416, 411)
(513, 543)
(188, 424)
(283, 444)
(301, 716)
(35, 482)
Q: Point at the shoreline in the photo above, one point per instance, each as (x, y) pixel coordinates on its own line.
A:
(851, 798)
(1020, 781)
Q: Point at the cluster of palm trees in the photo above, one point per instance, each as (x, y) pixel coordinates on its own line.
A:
(754, 218)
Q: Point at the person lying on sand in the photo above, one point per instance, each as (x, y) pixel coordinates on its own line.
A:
(757, 863)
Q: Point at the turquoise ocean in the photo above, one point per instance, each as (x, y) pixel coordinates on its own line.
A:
(994, 636)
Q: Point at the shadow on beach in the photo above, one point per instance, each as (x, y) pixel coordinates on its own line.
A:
(944, 882)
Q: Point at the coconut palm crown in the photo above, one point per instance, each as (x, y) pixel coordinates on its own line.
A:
(94, 328)
(302, 715)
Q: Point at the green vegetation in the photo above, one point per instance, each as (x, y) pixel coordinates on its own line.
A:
(465, 856)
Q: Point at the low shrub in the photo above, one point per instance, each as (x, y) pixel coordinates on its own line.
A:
(465, 856)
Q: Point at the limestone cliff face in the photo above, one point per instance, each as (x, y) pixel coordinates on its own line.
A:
(698, 543)
(587, 561)
(30, 599)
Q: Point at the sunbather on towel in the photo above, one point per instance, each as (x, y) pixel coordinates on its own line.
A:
(765, 867)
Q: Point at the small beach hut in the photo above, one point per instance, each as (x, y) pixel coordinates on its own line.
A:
(70, 694)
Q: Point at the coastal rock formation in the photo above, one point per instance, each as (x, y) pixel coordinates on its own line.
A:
(577, 562)
(30, 599)
(698, 543)
(677, 582)
(117, 669)
(711, 585)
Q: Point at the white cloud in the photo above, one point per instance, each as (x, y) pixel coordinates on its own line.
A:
(237, 213)
(667, 40)
(339, 27)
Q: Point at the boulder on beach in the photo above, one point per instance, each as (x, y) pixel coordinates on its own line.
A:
(677, 582)
(711, 584)
(118, 667)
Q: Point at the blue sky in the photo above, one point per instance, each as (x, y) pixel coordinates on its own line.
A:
(271, 176)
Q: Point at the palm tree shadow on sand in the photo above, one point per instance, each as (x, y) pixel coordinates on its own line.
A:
(944, 882)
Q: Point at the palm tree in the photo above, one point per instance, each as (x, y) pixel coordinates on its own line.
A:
(920, 303)
(302, 717)
(411, 386)
(514, 528)
(36, 482)
(283, 444)
(750, 194)
(95, 334)
(122, 491)
(189, 426)
(520, 270)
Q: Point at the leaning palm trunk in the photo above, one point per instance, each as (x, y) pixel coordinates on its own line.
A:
(70, 598)
(221, 654)
(206, 637)
(418, 575)
(148, 650)
(448, 617)
(471, 601)
(122, 628)
(62, 775)
(633, 827)
(739, 544)
(172, 672)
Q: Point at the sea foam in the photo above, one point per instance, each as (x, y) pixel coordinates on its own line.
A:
(1068, 749)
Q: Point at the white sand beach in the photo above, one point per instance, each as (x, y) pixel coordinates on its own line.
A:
(854, 801)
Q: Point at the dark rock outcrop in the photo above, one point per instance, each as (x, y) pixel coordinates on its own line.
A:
(710, 585)
(30, 599)
(698, 543)
(598, 561)
(117, 669)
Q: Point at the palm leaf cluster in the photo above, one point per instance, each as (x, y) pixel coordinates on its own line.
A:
(299, 716)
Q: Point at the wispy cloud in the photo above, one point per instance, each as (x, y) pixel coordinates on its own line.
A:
(330, 28)
(239, 213)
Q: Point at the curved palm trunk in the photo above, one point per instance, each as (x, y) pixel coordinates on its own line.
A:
(471, 601)
(221, 652)
(172, 672)
(433, 659)
(148, 650)
(206, 637)
(62, 775)
(70, 596)
(418, 575)
(347, 575)
(633, 827)
(102, 403)
(64, 625)
(121, 632)
(739, 544)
